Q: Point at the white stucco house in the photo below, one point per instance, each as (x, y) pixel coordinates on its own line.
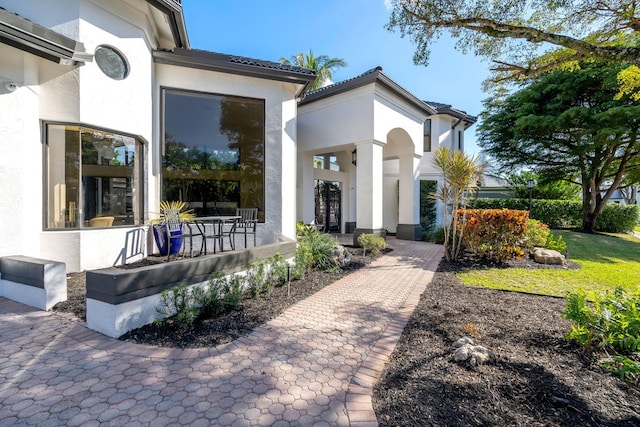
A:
(374, 140)
(105, 110)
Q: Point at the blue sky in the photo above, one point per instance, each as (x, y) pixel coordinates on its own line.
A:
(349, 29)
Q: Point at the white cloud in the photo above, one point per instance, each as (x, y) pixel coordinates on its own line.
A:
(388, 4)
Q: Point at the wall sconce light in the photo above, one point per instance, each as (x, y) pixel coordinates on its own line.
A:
(354, 157)
(11, 86)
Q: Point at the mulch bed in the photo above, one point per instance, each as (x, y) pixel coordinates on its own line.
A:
(538, 379)
(226, 327)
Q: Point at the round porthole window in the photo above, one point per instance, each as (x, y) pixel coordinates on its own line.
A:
(112, 62)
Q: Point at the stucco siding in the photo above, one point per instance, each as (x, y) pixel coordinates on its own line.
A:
(280, 145)
(336, 122)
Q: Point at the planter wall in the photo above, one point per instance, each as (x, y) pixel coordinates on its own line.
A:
(119, 300)
(35, 282)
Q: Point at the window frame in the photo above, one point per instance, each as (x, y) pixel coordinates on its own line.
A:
(163, 103)
(143, 144)
(424, 135)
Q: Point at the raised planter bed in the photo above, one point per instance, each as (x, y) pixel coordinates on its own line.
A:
(119, 300)
(32, 281)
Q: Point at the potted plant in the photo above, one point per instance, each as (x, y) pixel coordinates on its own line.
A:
(159, 226)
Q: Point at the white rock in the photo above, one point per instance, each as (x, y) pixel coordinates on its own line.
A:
(462, 341)
(475, 354)
(548, 256)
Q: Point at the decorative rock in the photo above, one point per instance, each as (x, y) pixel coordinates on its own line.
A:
(548, 256)
(340, 256)
(462, 341)
(475, 355)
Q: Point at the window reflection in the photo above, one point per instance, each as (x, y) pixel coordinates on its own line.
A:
(213, 152)
(93, 178)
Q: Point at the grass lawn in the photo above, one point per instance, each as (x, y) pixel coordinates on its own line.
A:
(608, 261)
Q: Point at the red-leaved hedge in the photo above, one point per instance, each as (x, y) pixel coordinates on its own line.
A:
(494, 233)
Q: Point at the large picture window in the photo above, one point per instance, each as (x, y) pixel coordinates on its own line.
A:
(213, 152)
(93, 178)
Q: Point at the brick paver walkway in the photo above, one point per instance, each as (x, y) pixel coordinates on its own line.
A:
(313, 365)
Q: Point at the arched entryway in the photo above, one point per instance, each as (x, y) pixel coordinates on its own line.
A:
(401, 185)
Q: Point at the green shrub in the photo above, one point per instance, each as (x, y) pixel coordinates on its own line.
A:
(437, 236)
(611, 323)
(428, 206)
(278, 270)
(494, 233)
(615, 218)
(371, 244)
(320, 245)
(255, 277)
(233, 291)
(556, 243)
(214, 295)
(304, 261)
(181, 303)
(536, 235)
(554, 213)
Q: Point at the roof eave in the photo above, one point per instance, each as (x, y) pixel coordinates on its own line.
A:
(173, 10)
(40, 41)
(193, 60)
(395, 87)
(375, 76)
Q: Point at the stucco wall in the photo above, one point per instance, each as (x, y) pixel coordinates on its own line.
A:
(57, 93)
(20, 150)
(337, 121)
(280, 142)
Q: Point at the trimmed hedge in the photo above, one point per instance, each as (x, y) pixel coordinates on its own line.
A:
(615, 218)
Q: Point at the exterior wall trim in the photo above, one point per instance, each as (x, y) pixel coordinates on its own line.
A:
(30, 37)
(229, 64)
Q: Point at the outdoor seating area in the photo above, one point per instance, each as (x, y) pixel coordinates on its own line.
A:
(210, 234)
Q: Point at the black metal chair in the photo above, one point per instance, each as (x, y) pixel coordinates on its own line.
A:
(247, 223)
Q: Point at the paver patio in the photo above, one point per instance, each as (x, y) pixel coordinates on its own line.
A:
(315, 364)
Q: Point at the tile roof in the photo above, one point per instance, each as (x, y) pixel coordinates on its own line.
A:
(235, 64)
(448, 109)
(374, 75)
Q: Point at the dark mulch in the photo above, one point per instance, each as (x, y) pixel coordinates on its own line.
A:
(539, 379)
(226, 327)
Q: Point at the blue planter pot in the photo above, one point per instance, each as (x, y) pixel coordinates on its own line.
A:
(160, 235)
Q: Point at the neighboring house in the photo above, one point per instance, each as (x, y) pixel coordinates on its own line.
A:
(493, 187)
(625, 196)
(376, 139)
(105, 110)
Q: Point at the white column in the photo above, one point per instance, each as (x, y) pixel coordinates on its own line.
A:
(369, 191)
(409, 202)
(305, 189)
(409, 189)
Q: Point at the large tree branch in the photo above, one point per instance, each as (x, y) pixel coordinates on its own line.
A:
(504, 30)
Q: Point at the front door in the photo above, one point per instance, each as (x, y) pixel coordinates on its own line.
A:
(328, 206)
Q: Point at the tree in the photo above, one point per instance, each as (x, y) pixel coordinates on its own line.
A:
(566, 123)
(460, 173)
(544, 187)
(322, 65)
(511, 32)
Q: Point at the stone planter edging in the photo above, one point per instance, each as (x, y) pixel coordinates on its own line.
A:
(119, 300)
(32, 281)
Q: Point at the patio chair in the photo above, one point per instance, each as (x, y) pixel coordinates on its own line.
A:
(191, 230)
(247, 223)
(172, 224)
